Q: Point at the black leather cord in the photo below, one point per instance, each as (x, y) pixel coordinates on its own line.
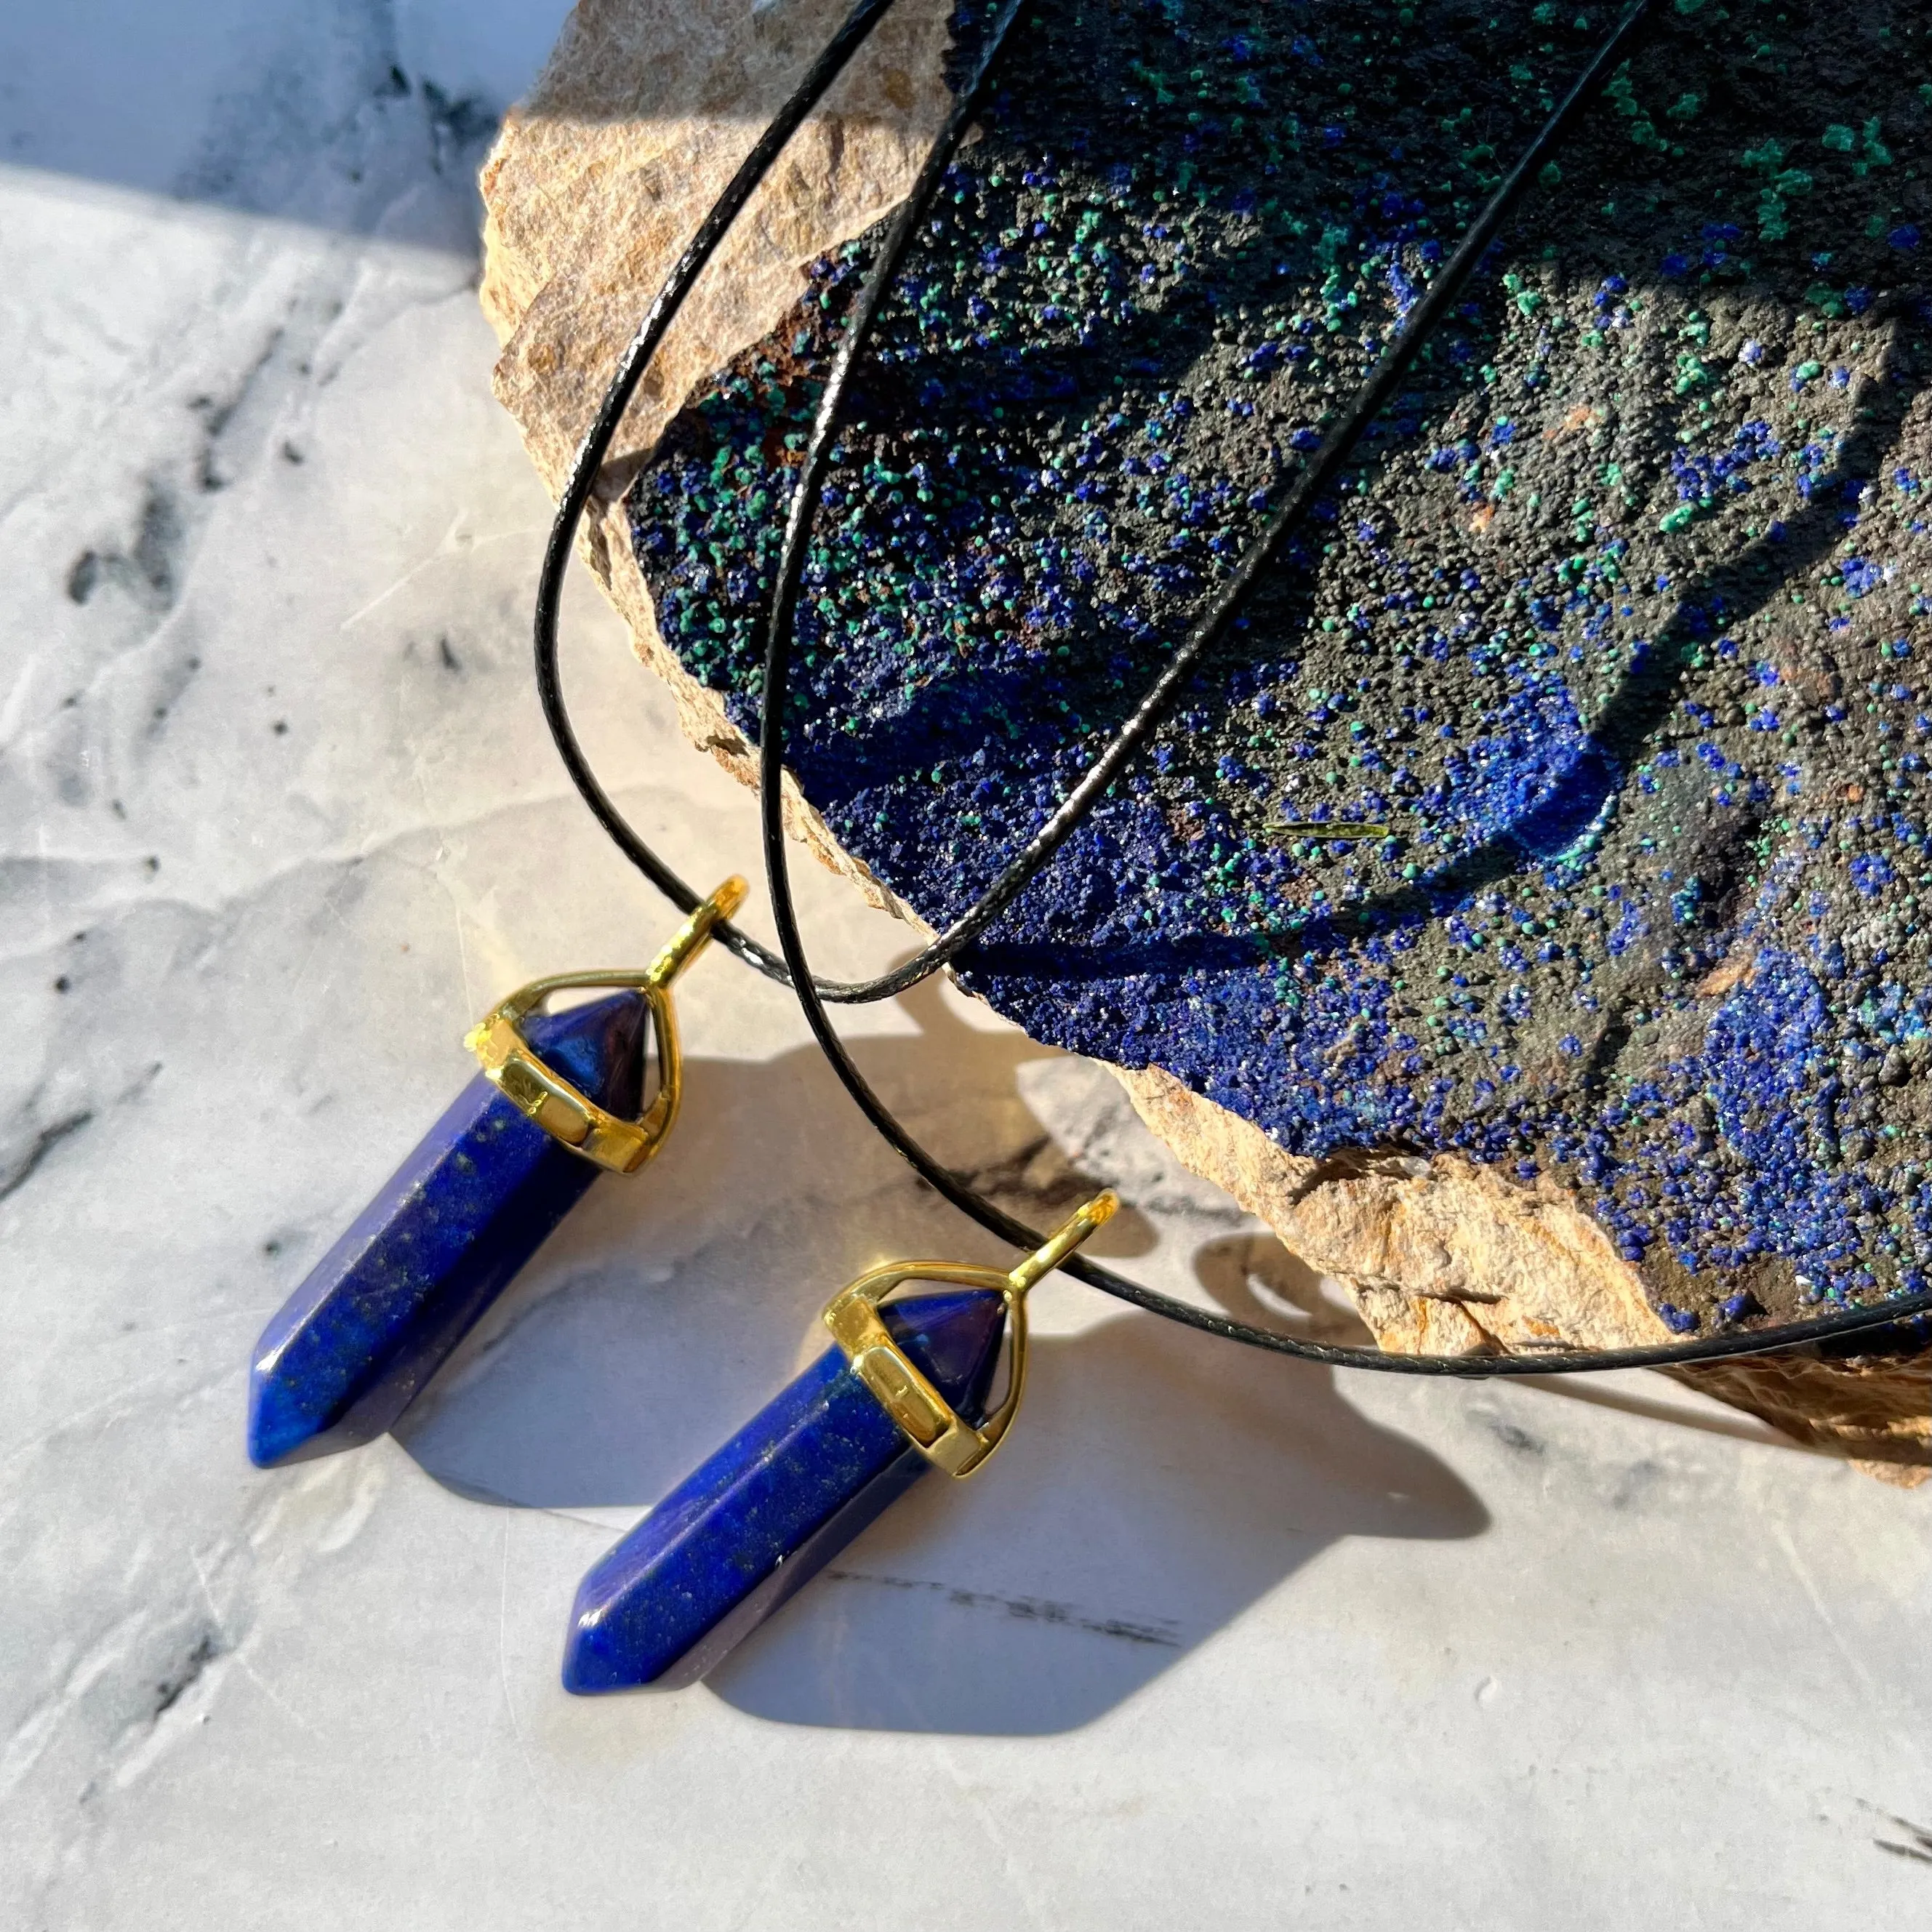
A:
(581, 482)
(793, 967)
(1316, 476)
(1334, 450)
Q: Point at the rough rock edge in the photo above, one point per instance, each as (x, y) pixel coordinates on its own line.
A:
(594, 184)
(640, 117)
(1445, 1257)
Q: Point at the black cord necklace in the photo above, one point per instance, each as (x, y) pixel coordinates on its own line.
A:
(909, 1382)
(792, 966)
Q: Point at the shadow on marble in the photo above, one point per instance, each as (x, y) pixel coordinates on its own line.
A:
(1159, 1481)
(332, 114)
(1163, 1483)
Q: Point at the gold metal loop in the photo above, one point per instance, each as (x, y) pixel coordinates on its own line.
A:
(925, 1418)
(563, 1110)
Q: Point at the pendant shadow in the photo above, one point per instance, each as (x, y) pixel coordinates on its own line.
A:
(1158, 1490)
(1161, 1482)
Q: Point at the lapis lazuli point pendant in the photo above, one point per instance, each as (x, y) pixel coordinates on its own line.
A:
(771, 1508)
(905, 1386)
(383, 1310)
(560, 1098)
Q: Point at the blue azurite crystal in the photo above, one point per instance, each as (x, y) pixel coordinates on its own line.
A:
(783, 1497)
(1641, 693)
(380, 1313)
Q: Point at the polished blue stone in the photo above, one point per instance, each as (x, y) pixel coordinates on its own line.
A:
(782, 1497)
(380, 1312)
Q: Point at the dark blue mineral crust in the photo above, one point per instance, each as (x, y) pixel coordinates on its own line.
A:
(380, 1313)
(782, 1497)
(1615, 621)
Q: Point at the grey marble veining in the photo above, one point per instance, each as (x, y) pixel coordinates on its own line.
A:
(1216, 1638)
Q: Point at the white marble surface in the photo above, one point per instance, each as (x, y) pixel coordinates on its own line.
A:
(1217, 1641)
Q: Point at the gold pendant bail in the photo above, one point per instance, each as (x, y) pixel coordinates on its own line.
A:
(694, 934)
(564, 1111)
(1089, 1215)
(925, 1418)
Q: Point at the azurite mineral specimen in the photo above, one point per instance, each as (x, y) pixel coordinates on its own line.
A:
(1617, 620)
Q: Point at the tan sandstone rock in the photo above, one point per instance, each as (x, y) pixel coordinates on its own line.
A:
(597, 181)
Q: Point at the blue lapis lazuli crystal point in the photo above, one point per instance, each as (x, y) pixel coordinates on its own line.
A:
(782, 1497)
(382, 1310)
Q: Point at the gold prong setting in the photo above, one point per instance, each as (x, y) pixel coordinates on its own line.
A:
(924, 1417)
(564, 1111)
